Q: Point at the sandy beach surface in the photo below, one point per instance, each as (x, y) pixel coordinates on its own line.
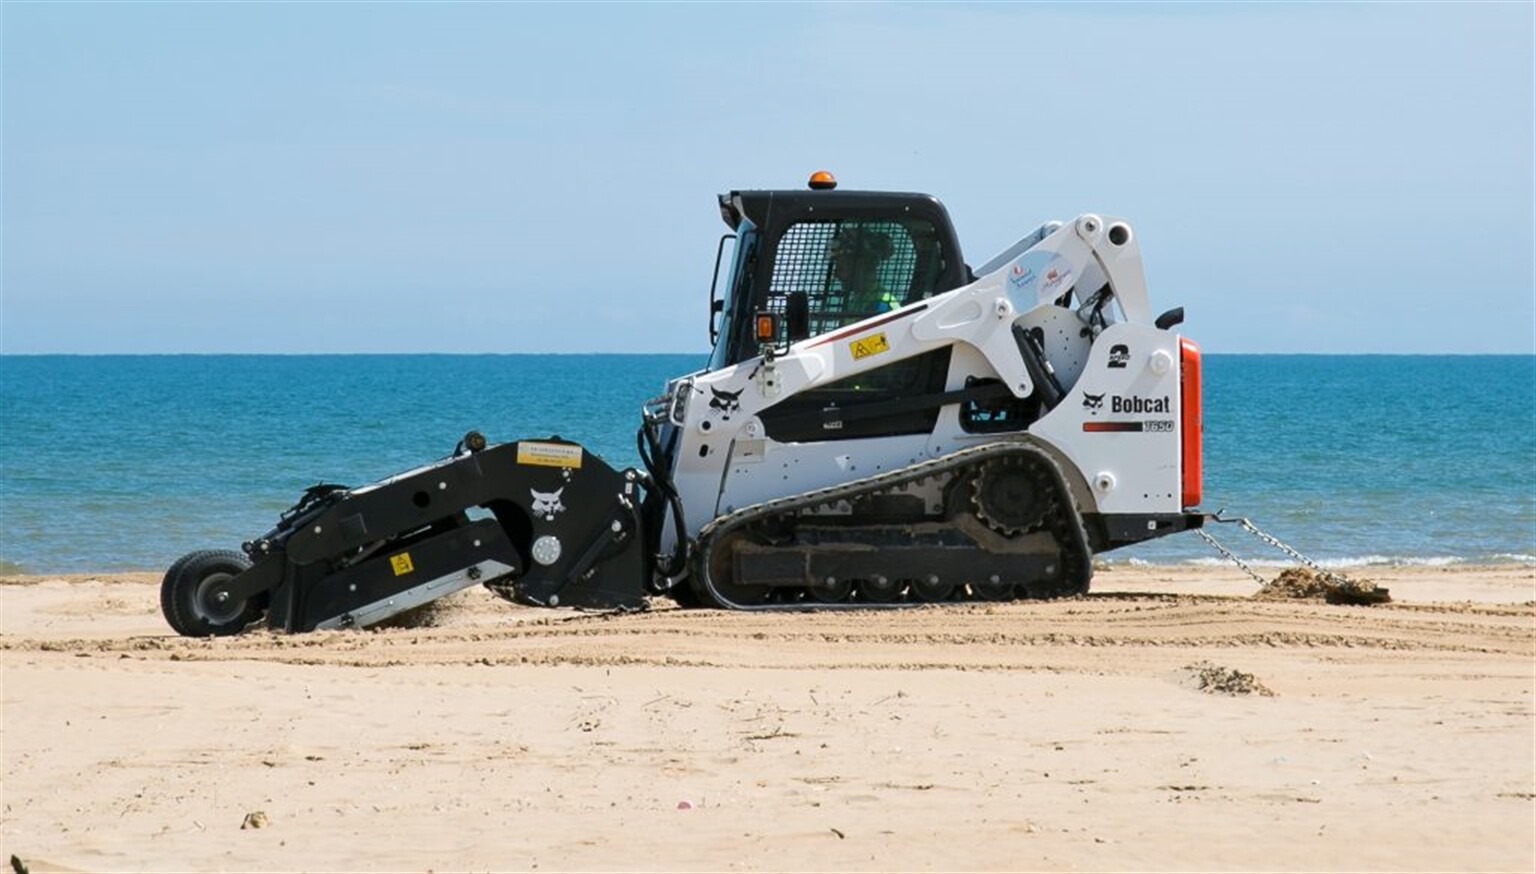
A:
(1071, 735)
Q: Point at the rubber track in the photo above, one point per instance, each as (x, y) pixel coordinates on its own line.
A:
(1067, 526)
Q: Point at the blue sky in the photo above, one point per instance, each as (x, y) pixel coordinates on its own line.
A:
(330, 177)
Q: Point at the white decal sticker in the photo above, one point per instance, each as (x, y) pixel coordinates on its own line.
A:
(724, 403)
(1021, 276)
(547, 504)
(1038, 276)
(1057, 278)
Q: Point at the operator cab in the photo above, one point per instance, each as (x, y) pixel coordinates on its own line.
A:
(820, 259)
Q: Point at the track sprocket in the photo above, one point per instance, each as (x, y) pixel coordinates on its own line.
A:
(1011, 495)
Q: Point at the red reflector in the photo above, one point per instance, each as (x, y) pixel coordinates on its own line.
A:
(1189, 413)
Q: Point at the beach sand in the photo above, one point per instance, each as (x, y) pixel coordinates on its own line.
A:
(1071, 735)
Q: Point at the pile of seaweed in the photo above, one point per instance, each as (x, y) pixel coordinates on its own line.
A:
(1214, 679)
(1303, 584)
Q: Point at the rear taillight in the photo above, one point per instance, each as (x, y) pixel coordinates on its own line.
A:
(1189, 409)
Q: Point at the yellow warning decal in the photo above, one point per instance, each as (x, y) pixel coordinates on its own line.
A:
(401, 563)
(548, 454)
(864, 347)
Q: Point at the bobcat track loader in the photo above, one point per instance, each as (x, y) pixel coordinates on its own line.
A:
(877, 424)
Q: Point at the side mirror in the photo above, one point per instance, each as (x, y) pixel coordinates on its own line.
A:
(797, 316)
(716, 305)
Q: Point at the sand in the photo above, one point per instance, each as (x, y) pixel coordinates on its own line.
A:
(1168, 722)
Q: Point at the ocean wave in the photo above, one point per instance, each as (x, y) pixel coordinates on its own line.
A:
(1372, 560)
(1392, 561)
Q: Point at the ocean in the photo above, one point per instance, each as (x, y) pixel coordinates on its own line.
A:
(125, 462)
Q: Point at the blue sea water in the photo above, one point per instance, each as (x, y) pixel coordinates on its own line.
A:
(125, 462)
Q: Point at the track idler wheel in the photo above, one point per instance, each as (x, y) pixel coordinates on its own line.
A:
(722, 574)
(192, 597)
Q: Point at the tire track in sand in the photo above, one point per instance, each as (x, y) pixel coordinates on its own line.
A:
(1014, 636)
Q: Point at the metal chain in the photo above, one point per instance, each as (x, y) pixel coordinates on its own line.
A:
(1228, 553)
(1327, 575)
(1247, 525)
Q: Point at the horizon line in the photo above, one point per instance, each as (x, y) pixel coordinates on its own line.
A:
(705, 353)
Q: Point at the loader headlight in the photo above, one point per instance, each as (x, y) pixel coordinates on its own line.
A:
(681, 392)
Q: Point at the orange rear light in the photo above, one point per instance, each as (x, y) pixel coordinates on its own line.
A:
(1189, 410)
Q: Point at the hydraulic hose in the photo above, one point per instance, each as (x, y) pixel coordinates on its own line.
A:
(648, 443)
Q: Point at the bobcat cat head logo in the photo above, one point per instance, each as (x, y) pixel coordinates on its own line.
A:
(725, 402)
(1093, 403)
(547, 504)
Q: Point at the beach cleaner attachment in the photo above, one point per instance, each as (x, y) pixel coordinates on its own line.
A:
(545, 519)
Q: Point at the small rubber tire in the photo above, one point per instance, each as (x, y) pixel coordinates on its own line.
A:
(165, 587)
(181, 591)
